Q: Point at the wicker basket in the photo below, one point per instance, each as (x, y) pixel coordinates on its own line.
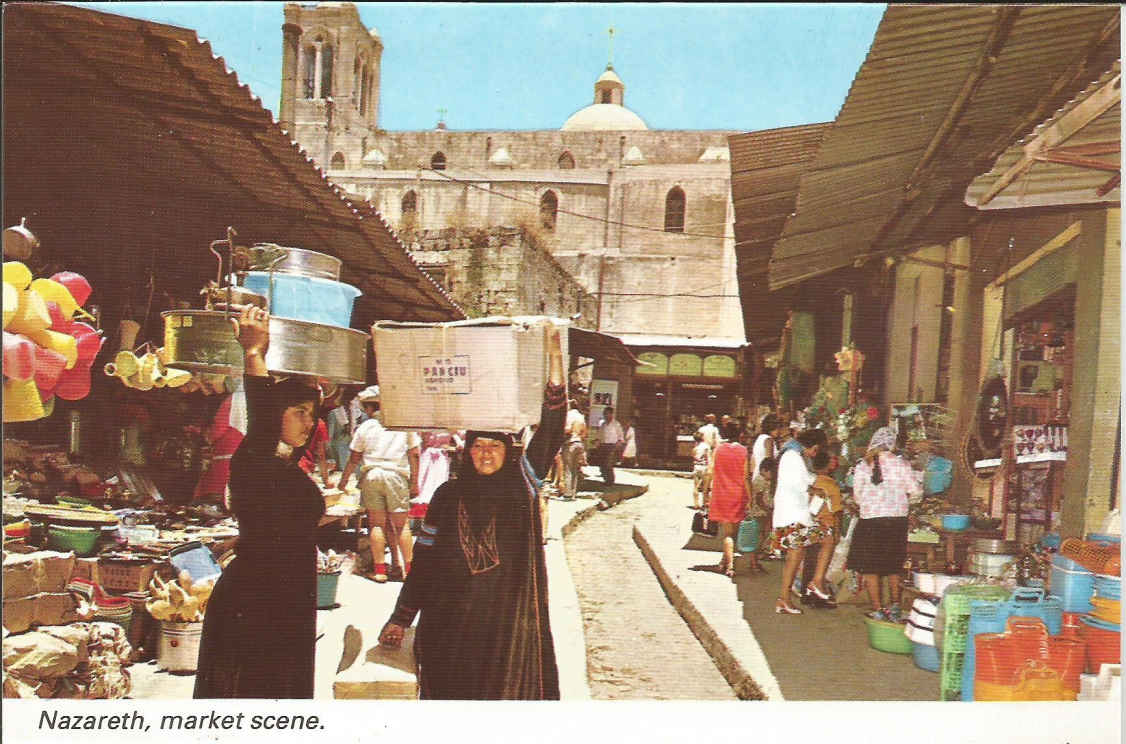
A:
(125, 576)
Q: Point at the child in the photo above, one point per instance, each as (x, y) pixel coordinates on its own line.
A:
(829, 517)
(762, 505)
(701, 458)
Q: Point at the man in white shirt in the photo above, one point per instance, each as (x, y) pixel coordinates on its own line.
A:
(388, 481)
(710, 432)
(612, 441)
(574, 450)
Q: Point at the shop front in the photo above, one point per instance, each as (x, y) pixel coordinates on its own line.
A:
(676, 389)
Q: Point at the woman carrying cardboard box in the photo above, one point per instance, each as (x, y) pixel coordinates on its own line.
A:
(479, 581)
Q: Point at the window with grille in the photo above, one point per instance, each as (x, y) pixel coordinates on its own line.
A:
(566, 160)
(438, 161)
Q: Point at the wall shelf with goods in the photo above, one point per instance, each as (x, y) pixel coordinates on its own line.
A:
(1039, 405)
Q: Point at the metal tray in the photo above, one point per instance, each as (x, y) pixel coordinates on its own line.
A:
(204, 340)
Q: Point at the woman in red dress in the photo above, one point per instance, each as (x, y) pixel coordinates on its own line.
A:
(730, 496)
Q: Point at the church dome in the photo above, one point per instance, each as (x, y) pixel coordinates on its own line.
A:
(603, 116)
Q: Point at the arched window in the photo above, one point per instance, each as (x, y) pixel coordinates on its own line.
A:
(337, 161)
(410, 203)
(566, 160)
(606, 97)
(309, 72)
(549, 209)
(674, 210)
(438, 161)
(488, 147)
(326, 70)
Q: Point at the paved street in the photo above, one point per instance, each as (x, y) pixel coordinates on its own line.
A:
(637, 646)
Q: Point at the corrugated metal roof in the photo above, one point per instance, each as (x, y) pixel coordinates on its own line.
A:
(141, 143)
(1054, 184)
(766, 167)
(943, 89)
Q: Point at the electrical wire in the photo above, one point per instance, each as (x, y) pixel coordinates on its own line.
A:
(603, 220)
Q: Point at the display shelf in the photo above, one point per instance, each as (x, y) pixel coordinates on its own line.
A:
(1023, 460)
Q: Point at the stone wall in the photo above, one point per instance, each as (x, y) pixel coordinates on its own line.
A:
(502, 271)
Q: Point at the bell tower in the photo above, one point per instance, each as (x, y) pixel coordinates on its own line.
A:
(330, 82)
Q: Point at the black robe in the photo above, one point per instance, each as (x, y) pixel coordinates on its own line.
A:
(259, 630)
(479, 579)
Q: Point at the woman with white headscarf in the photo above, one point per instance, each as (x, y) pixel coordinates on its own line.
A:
(882, 482)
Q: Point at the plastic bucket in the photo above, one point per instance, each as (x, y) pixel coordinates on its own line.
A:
(326, 590)
(307, 298)
(955, 522)
(887, 637)
(1103, 646)
(178, 650)
(926, 657)
(1074, 587)
(1108, 587)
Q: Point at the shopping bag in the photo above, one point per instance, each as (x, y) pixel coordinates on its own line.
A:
(747, 538)
(701, 525)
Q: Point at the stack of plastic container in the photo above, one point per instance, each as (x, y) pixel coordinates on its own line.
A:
(920, 631)
(991, 617)
(956, 605)
(1104, 686)
(1101, 628)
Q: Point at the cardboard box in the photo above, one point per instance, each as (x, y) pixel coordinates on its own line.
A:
(40, 609)
(381, 674)
(35, 573)
(486, 373)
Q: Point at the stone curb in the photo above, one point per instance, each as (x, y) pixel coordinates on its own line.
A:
(725, 659)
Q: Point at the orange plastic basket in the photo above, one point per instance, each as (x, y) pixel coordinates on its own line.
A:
(1035, 682)
(1001, 656)
(1102, 558)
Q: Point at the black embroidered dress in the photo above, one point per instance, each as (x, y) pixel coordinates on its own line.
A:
(260, 627)
(480, 581)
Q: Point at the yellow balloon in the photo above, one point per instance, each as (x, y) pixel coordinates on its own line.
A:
(16, 274)
(63, 343)
(22, 401)
(11, 302)
(31, 314)
(52, 291)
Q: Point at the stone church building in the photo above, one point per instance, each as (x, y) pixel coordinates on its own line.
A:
(638, 222)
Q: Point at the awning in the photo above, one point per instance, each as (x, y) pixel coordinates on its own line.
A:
(766, 167)
(594, 345)
(1074, 157)
(943, 91)
(130, 147)
(637, 340)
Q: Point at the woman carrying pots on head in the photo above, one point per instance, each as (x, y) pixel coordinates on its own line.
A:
(479, 581)
(882, 483)
(794, 525)
(259, 628)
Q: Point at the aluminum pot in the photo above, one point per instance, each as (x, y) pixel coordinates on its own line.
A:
(204, 340)
(989, 545)
(289, 260)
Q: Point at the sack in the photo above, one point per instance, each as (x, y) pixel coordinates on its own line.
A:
(701, 525)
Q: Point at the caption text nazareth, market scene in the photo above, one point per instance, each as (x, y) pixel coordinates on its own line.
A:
(819, 406)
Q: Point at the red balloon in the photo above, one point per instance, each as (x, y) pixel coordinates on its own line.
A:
(19, 356)
(74, 384)
(88, 338)
(57, 317)
(80, 289)
(49, 364)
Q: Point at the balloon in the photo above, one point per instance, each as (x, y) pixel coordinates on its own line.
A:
(22, 401)
(74, 384)
(11, 302)
(19, 357)
(63, 343)
(56, 315)
(88, 339)
(31, 314)
(79, 288)
(16, 274)
(48, 366)
(52, 291)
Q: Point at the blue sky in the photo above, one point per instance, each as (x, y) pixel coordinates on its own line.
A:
(515, 66)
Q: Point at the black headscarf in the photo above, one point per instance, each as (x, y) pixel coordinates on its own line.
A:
(482, 493)
(264, 426)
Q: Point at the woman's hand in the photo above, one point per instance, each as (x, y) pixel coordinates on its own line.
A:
(392, 635)
(252, 329)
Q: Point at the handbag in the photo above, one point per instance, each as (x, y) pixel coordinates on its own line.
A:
(701, 525)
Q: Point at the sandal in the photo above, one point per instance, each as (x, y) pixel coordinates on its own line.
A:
(730, 573)
(781, 607)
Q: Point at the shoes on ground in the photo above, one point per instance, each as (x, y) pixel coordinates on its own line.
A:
(784, 608)
(880, 614)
